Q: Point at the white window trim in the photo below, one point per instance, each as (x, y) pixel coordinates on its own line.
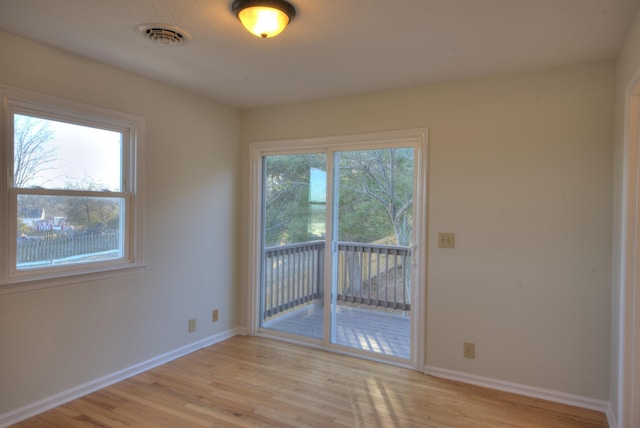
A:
(16, 100)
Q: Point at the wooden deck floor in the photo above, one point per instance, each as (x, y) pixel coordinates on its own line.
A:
(384, 333)
(256, 382)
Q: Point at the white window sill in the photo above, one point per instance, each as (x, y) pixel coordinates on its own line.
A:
(58, 281)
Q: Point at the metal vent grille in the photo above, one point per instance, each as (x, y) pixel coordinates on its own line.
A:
(165, 34)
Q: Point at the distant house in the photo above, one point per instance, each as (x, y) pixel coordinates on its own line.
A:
(31, 216)
(34, 218)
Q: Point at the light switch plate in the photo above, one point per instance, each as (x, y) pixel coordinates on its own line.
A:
(445, 240)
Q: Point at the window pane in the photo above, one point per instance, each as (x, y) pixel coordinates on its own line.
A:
(61, 230)
(376, 196)
(58, 155)
(295, 198)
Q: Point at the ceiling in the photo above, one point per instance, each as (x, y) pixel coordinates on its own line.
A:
(332, 47)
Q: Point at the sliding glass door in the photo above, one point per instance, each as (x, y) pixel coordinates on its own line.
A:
(372, 240)
(293, 240)
(337, 245)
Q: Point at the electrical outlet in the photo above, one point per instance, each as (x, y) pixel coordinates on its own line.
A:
(469, 350)
(214, 315)
(192, 325)
(445, 240)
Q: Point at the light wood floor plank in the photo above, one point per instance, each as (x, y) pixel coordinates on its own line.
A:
(247, 382)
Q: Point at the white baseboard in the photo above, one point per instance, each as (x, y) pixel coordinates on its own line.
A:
(63, 397)
(529, 391)
(611, 417)
(241, 331)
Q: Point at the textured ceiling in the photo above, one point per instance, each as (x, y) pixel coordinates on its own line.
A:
(332, 47)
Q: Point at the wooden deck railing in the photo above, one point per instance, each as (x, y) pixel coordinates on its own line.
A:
(374, 275)
(293, 276)
(369, 274)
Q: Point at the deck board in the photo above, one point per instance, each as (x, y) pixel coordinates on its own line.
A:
(380, 332)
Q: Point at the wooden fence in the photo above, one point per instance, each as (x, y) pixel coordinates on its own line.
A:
(54, 247)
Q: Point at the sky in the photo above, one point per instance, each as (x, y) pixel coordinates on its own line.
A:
(82, 153)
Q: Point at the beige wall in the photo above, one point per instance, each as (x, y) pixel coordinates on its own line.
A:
(520, 169)
(58, 338)
(627, 67)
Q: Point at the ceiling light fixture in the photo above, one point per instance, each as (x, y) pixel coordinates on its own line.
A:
(264, 18)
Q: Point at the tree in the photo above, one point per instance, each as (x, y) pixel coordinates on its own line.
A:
(376, 195)
(32, 151)
(91, 213)
(288, 210)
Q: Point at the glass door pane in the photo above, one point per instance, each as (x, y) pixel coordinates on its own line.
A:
(372, 234)
(293, 244)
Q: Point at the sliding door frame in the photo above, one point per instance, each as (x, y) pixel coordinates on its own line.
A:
(416, 138)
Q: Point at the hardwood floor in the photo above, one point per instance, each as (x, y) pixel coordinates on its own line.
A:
(257, 382)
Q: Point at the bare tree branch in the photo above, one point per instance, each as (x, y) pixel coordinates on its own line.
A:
(32, 151)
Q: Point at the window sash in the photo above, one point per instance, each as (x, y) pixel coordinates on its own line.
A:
(131, 127)
(20, 108)
(126, 236)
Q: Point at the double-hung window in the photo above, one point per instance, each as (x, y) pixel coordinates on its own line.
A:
(71, 189)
